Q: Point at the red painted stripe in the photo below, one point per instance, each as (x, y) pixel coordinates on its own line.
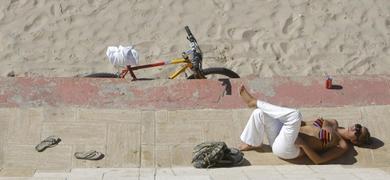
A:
(192, 94)
(148, 65)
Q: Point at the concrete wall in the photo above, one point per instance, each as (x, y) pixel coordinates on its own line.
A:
(157, 123)
(161, 138)
(128, 138)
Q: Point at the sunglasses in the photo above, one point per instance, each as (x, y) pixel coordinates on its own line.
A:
(358, 130)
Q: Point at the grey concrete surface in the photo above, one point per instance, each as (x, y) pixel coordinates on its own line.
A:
(275, 172)
(162, 138)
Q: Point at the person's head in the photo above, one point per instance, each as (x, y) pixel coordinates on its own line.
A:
(359, 135)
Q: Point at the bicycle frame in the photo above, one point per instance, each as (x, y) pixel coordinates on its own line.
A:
(191, 59)
(130, 69)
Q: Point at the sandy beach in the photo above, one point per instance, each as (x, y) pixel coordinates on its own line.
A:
(66, 38)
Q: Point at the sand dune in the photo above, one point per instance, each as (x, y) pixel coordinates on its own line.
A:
(252, 37)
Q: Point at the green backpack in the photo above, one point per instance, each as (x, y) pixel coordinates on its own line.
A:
(215, 154)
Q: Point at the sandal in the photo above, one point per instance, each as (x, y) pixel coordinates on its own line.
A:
(89, 155)
(50, 141)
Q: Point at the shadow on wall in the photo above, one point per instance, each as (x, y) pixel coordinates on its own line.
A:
(228, 86)
(375, 143)
(349, 157)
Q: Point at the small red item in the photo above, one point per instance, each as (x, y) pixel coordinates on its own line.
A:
(329, 83)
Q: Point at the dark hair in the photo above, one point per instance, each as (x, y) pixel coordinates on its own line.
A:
(364, 138)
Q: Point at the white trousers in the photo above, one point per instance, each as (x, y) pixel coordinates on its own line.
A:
(281, 126)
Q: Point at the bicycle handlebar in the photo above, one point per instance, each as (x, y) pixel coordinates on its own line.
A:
(193, 43)
(196, 59)
(190, 37)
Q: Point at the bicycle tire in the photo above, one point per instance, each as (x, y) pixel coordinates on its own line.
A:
(102, 75)
(217, 71)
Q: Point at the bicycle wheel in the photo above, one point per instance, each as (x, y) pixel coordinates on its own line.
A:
(217, 73)
(102, 75)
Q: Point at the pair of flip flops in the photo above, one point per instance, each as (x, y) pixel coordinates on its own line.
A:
(52, 141)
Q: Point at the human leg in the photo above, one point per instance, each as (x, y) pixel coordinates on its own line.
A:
(278, 117)
(281, 124)
(253, 133)
(283, 142)
(247, 97)
(258, 124)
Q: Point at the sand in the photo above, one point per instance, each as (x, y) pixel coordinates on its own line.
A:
(66, 38)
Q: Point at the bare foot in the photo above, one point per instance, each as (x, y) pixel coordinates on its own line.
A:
(247, 147)
(247, 98)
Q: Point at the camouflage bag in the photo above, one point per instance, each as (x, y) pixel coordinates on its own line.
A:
(215, 154)
(207, 154)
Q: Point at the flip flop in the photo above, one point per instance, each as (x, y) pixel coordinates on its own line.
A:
(50, 141)
(89, 155)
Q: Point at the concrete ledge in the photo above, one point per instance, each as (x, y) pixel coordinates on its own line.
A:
(189, 94)
(165, 138)
(157, 123)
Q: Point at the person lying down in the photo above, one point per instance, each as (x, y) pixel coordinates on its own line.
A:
(321, 140)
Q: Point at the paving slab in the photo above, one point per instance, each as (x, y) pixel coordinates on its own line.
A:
(17, 172)
(76, 132)
(25, 127)
(56, 114)
(123, 145)
(25, 156)
(7, 114)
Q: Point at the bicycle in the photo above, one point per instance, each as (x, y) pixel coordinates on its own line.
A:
(191, 59)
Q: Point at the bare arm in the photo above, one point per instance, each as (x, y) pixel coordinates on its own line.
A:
(329, 155)
(309, 130)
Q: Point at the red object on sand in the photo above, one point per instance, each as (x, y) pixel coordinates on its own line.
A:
(329, 83)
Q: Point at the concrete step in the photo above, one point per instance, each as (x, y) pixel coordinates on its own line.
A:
(157, 123)
(246, 173)
(163, 138)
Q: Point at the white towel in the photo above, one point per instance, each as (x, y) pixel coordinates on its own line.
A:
(122, 56)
